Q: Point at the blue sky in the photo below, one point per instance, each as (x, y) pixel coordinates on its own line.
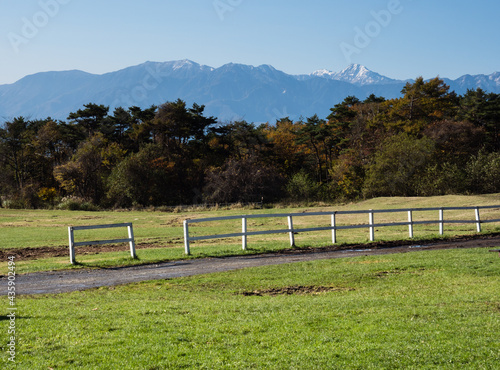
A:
(397, 38)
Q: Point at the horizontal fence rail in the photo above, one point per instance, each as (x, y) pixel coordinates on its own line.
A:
(72, 244)
(371, 225)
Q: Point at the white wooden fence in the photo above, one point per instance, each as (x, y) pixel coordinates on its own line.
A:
(72, 243)
(371, 225)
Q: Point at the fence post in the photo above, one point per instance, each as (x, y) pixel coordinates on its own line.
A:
(71, 246)
(410, 223)
(478, 220)
(244, 232)
(186, 238)
(132, 242)
(334, 229)
(290, 227)
(372, 229)
(441, 221)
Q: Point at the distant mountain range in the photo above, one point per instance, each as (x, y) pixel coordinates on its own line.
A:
(231, 92)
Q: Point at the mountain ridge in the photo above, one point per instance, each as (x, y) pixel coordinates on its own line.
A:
(230, 92)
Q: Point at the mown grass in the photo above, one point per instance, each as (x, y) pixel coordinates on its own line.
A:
(163, 232)
(421, 310)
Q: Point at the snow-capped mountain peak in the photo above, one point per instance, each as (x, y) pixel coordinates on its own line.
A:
(354, 71)
(323, 73)
(178, 64)
(356, 74)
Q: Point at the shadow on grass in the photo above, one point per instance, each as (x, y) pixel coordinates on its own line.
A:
(7, 318)
(135, 262)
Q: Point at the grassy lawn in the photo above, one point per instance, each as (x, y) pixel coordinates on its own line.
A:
(163, 234)
(422, 310)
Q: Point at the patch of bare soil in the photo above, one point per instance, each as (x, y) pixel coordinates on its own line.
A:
(291, 290)
(63, 251)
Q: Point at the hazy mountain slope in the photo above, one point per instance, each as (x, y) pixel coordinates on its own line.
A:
(231, 92)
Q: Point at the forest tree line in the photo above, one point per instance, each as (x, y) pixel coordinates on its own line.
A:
(430, 141)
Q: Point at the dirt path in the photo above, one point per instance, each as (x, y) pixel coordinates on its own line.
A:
(72, 280)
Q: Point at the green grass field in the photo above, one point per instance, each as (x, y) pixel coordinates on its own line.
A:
(163, 234)
(421, 310)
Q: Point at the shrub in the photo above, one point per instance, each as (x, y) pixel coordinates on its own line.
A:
(301, 187)
(398, 166)
(77, 204)
(483, 173)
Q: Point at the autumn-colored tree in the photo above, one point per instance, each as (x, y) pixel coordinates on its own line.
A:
(85, 174)
(287, 155)
(348, 175)
(422, 103)
(427, 142)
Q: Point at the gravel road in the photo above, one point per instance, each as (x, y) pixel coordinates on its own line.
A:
(53, 282)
